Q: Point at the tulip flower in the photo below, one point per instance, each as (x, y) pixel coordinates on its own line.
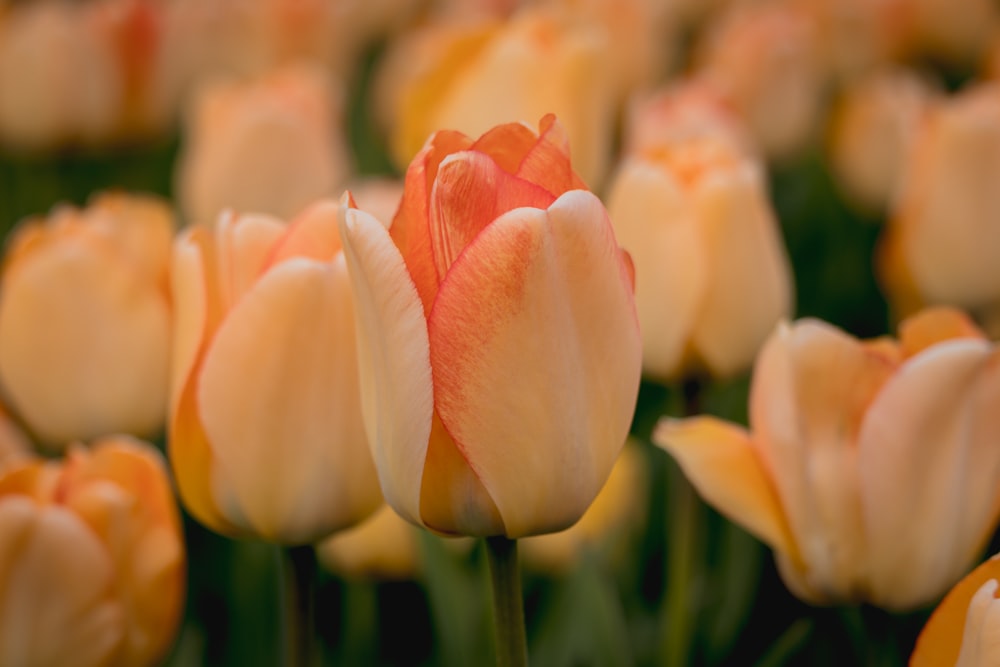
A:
(964, 630)
(270, 145)
(499, 347)
(91, 559)
(712, 274)
(848, 442)
(942, 244)
(85, 319)
(382, 547)
(266, 434)
(14, 446)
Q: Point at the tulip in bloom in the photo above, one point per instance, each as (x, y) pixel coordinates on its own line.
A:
(712, 274)
(91, 559)
(943, 241)
(266, 433)
(85, 319)
(964, 630)
(851, 440)
(499, 346)
(269, 145)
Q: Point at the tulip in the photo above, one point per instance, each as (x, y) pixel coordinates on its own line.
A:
(91, 559)
(712, 274)
(942, 244)
(269, 145)
(964, 630)
(499, 347)
(849, 441)
(14, 446)
(85, 319)
(383, 547)
(473, 77)
(266, 434)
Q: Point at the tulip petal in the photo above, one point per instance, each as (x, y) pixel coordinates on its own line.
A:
(671, 265)
(393, 360)
(743, 243)
(301, 469)
(536, 357)
(934, 325)
(313, 234)
(720, 461)
(811, 388)
(915, 460)
(940, 642)
(56, 610)
(470, 192)
(243, 245)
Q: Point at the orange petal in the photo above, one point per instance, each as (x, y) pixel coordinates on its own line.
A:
(547, 164)
(933, 325)
(393, 359)
(278, 398)
(915, 459)
(243, 245)
(313, 234)
(722, 464)
(940, 642)
(540, 299)
(654, 225)
(470, 192)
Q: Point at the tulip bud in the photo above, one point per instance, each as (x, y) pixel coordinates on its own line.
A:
(91, 559)
(849, 441)
(270, 145)
(712, 275)
(85, 319)
(500, 356)
(266, 434)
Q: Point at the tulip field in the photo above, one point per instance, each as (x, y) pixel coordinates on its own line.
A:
(450, 333)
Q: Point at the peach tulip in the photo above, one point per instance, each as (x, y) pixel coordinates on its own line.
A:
(849, 442)
(964, 630)
(942, 244)
(85, 319)
(712, 274)
(14, 446)
(472, 77)
(499, 346)
(91, 559)
(269, 145)
(266, 434)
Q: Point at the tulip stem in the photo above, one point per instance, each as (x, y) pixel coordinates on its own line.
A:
(298, 586)
(508, 603)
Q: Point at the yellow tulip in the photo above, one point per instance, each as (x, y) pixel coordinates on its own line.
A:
(712, 275)
(499, 347)
(85, 319)
(850, 441)
(266, 434)
(91, 559)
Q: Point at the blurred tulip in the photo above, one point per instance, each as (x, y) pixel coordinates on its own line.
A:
(91, 559)
(382, 547)
(271, 145)
(472, 77)
(14, 446)
(964, 630)
(943, 241)
(871, 131)
(85, 319)
(765, 61)
(957, 32)
(712, 275)
(379, 197)
(856, 36)
(500, 350)
(849, 442)
(616, 516)
(266, 433)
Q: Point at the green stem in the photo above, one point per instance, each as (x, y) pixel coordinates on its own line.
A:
(508, 603)
(298, 587)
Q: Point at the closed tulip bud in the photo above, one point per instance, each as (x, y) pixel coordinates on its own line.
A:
(382, 547)
(473, 77)
(266, 435)
(270, 145)
(500, 351)
(91, 559)
(712, 275)
(615, 517)
(964, 630)
(85, 319)
(848, 442)
(942, 244)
